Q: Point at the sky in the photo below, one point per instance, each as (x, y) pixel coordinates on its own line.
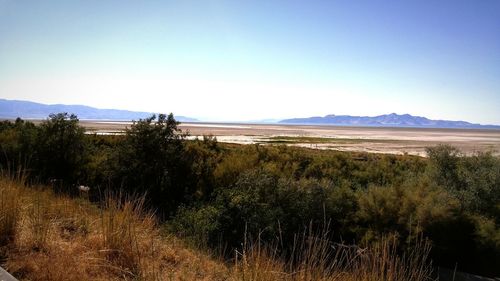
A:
(219, 60)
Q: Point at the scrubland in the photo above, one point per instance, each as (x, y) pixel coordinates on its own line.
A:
(164, 206)
(54, 237)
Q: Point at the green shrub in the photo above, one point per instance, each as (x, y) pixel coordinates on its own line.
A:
(150, 161)
(62, 150)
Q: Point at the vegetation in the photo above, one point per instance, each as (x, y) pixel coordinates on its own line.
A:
(73, 239)
(219, 197)
(149, 159)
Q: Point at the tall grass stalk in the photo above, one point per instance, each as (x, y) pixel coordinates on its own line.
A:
(39, 219)
(315, 258)
(124, 225)
(10, 207)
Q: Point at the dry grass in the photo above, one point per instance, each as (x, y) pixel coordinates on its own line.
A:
(124, 227)
(315, 258)
(9, 211)
(49, 237)
(59, 238)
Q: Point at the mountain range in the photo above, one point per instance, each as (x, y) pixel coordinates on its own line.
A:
(386, 120)
(10, 109)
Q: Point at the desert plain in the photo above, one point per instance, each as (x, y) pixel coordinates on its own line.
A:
(365, 139)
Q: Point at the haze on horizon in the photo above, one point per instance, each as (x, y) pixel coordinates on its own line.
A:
(249, 60)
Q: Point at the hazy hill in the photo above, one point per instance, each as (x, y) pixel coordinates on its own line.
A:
(386, 120)
(32, 110)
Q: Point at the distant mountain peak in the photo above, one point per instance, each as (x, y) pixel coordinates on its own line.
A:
(386, 120)
(10, 109)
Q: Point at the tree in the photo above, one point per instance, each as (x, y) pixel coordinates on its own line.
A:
(150, 160)
(17, 145)
(61, 149)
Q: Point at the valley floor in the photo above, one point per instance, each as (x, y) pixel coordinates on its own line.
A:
(362, 139)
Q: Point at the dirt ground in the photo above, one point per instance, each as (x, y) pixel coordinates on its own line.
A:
(370, 139)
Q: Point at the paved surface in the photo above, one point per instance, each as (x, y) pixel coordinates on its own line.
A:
(449, 275)
(5, 276)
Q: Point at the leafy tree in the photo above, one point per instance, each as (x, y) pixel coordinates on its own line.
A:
(151, 160)
(61, 149)
(17, 145)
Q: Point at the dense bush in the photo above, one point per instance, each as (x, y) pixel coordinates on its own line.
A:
(277, 192)
(62, 149)
(150, 160)
(18, 142)
(56, 151)
(472, 237)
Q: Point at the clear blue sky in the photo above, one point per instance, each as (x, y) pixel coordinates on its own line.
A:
(247, 60)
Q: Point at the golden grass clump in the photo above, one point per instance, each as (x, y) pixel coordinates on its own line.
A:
(10, 206)
(39, 220)
(125, 228)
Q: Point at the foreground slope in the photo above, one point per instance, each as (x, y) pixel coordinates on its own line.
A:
(59, 238)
